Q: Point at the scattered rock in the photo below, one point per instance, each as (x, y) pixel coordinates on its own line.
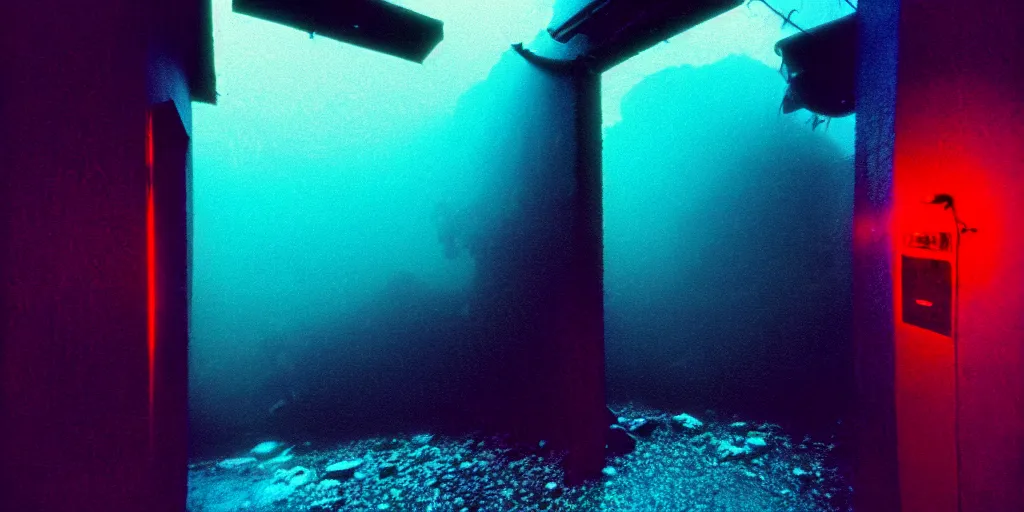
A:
(644, 427)
(388, 470)
(234, 463)
(328, 484)
(728, 451)
(295, 477)
(701, 461)
(277, 493)
(756, 443)
(698, 439)
(688, 422)
(343, 470)
(326, 505)
(390, 444)
(425, 453)
(266, 449)
(282, 457)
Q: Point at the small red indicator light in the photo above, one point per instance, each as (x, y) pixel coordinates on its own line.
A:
(925, 303)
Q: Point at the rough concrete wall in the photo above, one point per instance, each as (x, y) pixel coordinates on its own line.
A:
(74, 258)
(958, 115)
(74, 360)
(960, 120)
(875, 474)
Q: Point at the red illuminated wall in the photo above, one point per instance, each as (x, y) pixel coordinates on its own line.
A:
(73, 263)
(75, 419)
(959, 127)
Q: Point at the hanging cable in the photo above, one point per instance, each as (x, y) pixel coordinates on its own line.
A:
(961, 228)
(787, 19)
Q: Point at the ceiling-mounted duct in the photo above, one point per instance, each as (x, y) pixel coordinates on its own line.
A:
(371, 24)
(821, 68)
(619, 29)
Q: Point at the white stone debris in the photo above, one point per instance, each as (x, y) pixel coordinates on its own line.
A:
(236, 462)
(344, 469)
(422, 438)
(688, 421)
(266, 449)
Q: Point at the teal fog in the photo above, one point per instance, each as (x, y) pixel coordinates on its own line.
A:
(377, 243)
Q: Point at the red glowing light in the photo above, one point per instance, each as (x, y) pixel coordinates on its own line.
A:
(150, 271)
(925, 303)
(149, 145)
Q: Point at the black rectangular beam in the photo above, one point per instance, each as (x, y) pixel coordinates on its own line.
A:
(371, 24)
(619, 29)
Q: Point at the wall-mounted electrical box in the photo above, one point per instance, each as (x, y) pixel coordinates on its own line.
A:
(942, 242)
(928, 294)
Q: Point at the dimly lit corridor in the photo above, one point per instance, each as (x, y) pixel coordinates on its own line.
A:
(544, 255)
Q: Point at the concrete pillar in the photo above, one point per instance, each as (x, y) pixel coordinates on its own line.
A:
(583, 317)
(875, 479)
(579, 324)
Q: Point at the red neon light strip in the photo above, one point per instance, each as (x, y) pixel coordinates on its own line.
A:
(150, 274)
(922, 302)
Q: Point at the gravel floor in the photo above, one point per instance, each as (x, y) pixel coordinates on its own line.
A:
(679, 464)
